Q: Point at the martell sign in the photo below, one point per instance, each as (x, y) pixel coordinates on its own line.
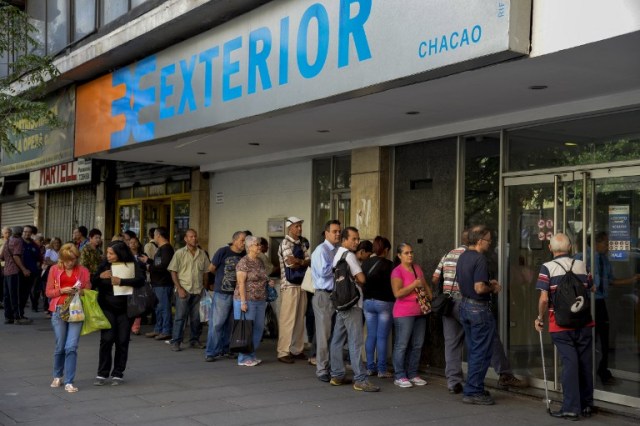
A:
(66, 174)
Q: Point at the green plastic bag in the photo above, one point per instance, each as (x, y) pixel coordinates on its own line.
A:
(94, 318)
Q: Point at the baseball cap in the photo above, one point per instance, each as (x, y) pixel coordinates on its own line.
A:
(292, 219)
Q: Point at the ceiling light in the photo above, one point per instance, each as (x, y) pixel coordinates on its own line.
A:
(254, 144)
(159, 161)
(323, 131)
(538, 87)
(201, 153)
(570, 144)
(412, 112)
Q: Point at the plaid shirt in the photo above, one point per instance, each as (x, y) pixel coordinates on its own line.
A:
(286, 250)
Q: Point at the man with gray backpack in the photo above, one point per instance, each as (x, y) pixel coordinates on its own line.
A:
(347, 275)
(563, 284)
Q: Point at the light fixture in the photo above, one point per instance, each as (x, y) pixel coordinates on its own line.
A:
(201, 153)
(254, 144)
(412, 112)
(538, 87)
(323, 131)
(159, 161)
(572, 144)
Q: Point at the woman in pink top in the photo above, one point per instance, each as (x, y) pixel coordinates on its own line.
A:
(66, 278)
(409, 321)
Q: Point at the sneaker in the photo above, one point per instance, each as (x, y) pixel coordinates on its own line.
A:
(287, 359)
(480, 399)
(301, 356)
(403, 383)
(258, 361)
(116, 381)
(418, 381)
(339, 381)
(456, 389)
(175, 347)
(365, 387)
(509, 380)
(196, 345)
(312, 361)
(249, 363)
(385, 375)
(151, 334)
(24, 321)
(57, 382)
(163, 337)
(136, 332)
(324, 378)
(70, 388)
(99, 381)
(209, 358)
(8, 321)
(371, 373)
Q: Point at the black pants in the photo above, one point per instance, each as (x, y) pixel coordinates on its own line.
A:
(118, 335)
(602, 333)
(26, 285)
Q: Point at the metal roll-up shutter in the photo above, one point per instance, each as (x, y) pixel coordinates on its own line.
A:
(18, 213)
(67, 209)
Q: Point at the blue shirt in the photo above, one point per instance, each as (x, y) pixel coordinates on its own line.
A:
(31, 256)
(472, 268)
(321, 266)
(601, 278)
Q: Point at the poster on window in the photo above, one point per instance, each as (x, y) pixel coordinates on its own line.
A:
(619, 232)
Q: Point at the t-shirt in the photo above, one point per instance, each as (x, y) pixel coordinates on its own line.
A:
(472, 268)
(14, 247)
(51, 254)
(255, 285)
(31, 256)
(160, 276)
(447, 269)
(551, 275)
(407, 306)
(354, 267)
(379, 279)
(225, 260)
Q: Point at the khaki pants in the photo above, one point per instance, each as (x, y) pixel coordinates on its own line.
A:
(293, 305)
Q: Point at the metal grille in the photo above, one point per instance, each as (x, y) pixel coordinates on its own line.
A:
(17, 213)
(67, 209)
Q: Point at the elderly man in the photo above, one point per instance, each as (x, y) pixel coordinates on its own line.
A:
(574, 344)
(12, 257)
(294, 261)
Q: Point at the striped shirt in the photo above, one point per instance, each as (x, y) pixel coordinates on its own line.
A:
(551, 275)
(448, 265)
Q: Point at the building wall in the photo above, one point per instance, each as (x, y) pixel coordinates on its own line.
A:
(245, 199)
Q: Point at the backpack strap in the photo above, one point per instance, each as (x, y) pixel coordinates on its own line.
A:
(563, 268)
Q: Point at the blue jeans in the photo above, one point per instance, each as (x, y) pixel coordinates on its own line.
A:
(378, 315)
(479, 329)
(163, 310)
(189, 306)
(66, 352)
(408, 329)
(575, 347)
(220, 324)
(254, 312)
(348, 327)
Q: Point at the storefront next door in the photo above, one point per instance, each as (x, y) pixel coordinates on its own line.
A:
(582, 204)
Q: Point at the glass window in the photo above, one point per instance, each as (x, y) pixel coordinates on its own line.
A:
(124, 193)
(139, 191)
(4, 64)
(321, 195)
(113, 9)
(342, 175)
(37, 16)
(57, 26)
(589, 140)
(174, 188)
(180, 222)
(136, 3)
(482, 180)
(130, 218)
(332, 198)
(84, 18)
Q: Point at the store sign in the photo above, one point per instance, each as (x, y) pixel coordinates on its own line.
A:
(619, 232)
(66, 174)
(47, 147)
(290, 53)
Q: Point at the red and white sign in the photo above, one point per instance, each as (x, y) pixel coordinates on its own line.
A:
(65, 174)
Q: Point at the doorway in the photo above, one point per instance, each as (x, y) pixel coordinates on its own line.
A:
(583, 204)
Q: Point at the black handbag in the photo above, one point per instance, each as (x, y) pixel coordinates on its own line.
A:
(442, 304)
(242, 336)
(142, 300)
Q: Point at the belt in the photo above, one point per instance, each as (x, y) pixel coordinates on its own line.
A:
(476, 301)
(323, 290)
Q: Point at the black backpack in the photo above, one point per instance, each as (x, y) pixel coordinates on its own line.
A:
(571, 301)
(345, 292)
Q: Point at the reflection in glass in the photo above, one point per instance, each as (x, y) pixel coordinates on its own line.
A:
(37, 15)
(113, 9)
(57, 26)
(180, 222)
(130, 218)
(85, 18)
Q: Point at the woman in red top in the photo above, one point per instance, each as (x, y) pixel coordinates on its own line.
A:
(66, 278)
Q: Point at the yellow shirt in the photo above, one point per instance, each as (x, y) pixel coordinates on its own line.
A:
(190, 269)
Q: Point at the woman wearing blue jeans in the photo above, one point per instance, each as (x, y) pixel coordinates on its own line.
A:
(66, 278)
(250, 296)
(378, 306)
(409, 320)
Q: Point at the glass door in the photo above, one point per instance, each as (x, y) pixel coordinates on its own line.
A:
(593, 205)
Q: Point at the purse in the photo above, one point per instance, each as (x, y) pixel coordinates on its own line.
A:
(142, 300)
(307, 282)
(421, 297)
(242, 336)
(442, 304)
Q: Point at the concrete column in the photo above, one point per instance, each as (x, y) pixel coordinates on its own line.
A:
(370, 191)
(40, 207)
(199, 207)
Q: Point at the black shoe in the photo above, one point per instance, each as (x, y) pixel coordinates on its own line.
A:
(210, 359)
(456, 389)
(565, 415)
(324, 378)
(480, 399)
(589, 411)
(8, 321)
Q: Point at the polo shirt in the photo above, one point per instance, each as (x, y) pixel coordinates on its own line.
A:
(190, 269)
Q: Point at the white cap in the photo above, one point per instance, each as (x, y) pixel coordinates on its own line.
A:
(292, 219)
